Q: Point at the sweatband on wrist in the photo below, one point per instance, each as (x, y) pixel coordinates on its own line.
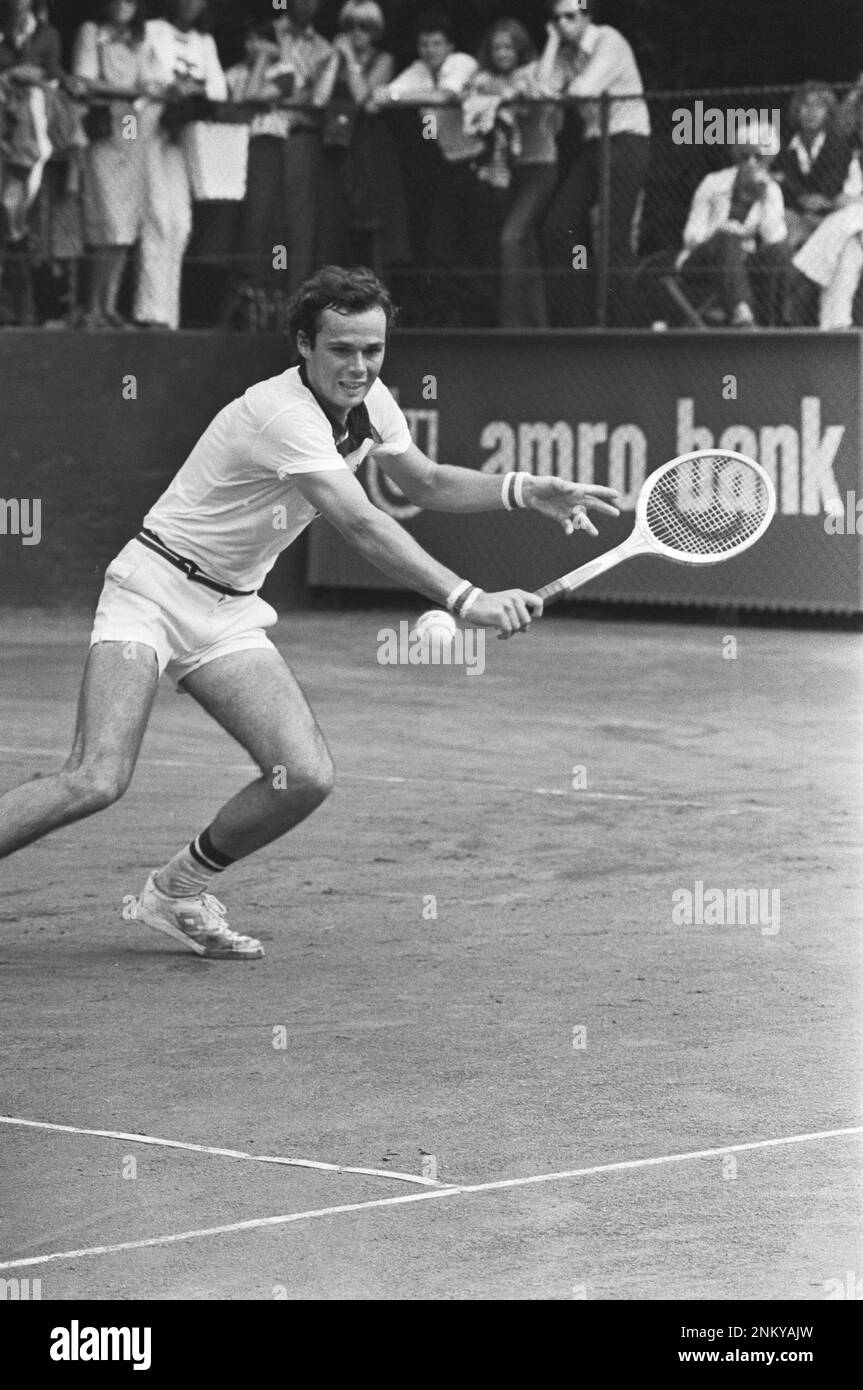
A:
(469, 602)
(512, 491)
(458, 593)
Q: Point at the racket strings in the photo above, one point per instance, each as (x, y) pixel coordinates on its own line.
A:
(707, 506)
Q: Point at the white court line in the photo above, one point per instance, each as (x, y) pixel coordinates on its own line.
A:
(223, 1153)
(453, 1191)
(258, 1224)
(665, 1158)
(585, 795)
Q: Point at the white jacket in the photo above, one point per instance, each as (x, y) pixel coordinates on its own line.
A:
(192, 55)
(711, 206)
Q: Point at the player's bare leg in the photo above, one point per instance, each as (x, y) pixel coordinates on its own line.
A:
(116, 697)
(256, 699)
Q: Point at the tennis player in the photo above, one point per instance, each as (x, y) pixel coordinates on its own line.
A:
(182, 596)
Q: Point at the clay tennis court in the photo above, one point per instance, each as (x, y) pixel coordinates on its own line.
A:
(561, 1092)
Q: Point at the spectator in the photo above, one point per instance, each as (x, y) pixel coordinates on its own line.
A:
(29, 60)
(185, 65)
(259, 84)
(365, 216)
(587, 60)
(832, 259)
(503, 48)
(508, 50)
(110, 57)
(304, 55)
(433, 82)
(29, 45)
(736, 230)
(813, 165)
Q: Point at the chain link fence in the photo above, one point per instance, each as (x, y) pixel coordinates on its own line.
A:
(598, 241)
(484, 241)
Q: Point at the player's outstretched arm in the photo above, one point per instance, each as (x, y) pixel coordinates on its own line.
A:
(384, 543)
(441, 488)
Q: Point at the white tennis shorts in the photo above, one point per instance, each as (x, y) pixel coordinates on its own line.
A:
(146, 599)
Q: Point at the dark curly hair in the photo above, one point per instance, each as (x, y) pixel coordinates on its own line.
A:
(172, 14)
(520, 38)
(350, 290)
(434, 22)
(101, 11)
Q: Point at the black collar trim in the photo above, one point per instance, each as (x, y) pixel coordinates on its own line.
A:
(357, 428)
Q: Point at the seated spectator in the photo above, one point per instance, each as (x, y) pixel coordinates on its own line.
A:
(587, 60)
(183, 64)
(736, 234)
(365, 217)
(832, 259)
(111, 59)
(813, 165)
(439, 75)
(29, 61)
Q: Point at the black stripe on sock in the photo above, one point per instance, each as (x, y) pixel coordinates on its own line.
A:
(204, 863)
(208, 849)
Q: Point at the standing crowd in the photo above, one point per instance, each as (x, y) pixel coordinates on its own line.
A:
(481, 185)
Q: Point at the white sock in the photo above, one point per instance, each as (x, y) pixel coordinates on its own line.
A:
(190, 871)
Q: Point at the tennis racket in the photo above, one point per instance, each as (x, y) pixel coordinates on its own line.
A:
(698, 509)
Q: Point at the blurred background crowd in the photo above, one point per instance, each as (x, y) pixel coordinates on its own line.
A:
(168, 163)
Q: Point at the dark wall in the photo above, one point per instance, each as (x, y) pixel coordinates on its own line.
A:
(679, 42)
(98, 461)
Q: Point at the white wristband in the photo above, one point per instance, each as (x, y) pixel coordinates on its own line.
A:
(469, 602)
(458, 592)
(512, 490)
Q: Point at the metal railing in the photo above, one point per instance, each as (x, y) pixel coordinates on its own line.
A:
(684, 147)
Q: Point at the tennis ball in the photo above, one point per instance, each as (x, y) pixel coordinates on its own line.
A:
(436, 627)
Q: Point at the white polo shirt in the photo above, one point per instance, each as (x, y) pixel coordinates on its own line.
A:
(233, 507)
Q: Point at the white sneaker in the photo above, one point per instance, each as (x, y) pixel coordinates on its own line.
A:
(198, 923)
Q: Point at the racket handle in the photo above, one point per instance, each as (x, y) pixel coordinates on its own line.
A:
(550, 593)
(560, 588)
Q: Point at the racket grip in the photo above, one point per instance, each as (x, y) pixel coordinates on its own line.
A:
(550, 593)
(567, 583)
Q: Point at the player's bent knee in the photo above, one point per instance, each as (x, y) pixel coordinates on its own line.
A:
(98, 786)
(317, 783)
(325, 779)
(312, 785)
